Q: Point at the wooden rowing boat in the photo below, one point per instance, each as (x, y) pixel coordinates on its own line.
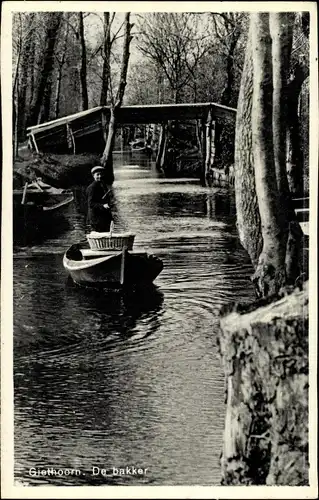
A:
(139, 146)
(143, 149)
(41, 194)
(34, 209)
(21, 212)
(111, 268)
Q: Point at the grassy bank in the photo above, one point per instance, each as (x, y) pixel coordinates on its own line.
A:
(58, 170)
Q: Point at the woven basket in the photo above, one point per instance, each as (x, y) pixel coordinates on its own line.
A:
(103, 241)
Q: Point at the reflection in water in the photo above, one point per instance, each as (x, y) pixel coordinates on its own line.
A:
(219, 206)
(111, 380)
(104, 315)
(33, 231)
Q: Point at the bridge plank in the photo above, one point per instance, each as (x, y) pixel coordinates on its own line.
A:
(154, 113)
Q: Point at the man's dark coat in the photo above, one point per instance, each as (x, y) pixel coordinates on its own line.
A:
(99, 218)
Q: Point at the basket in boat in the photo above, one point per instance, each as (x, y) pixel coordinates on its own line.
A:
(115, 241)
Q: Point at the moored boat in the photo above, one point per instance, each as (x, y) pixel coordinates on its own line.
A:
(34, 207)
(112, 267)
(140, 146)
(41, 194)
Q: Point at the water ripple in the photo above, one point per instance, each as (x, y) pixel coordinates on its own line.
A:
(129, 379)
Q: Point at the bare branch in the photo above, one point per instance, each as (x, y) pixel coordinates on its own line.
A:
(115, 35)
(173, 42)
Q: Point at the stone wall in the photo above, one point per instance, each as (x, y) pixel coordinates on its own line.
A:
(264, 350)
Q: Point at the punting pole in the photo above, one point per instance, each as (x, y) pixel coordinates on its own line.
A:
(73, 140)
(24, 193)
(123, 266)
(35, 143)
(111, 228)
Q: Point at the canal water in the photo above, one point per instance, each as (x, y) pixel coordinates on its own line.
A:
(105, 380)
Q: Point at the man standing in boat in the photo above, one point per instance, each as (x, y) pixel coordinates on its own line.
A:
(98, 197)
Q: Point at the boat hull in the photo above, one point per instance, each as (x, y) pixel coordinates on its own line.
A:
(112, 270)
(32, 219)
(49, 198)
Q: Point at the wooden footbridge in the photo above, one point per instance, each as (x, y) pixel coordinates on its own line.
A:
(92, 121)
(86, 131)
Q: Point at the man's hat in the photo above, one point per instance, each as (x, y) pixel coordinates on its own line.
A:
(99, 168)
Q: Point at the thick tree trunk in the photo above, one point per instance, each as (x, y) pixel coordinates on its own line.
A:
(176, 93)
(281, 26)
(281, 34)
(15, 122)
(294, 157)
(265, 217)
(270, 271)
(230, 76)
(47, 68)
(125, 60)
(107, 160)
(60, 71)
(32, 70)
(248, 218)
(226, 97)
(24, 74)
(57, 93)
(15, 106)
(106, 59)
(83, 70)
(160, 83)
(294, 151)
(45, 113)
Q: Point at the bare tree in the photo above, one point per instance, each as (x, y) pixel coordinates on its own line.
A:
(60, 62)
(228, 28)
(299, 72)
(227, 34)
(248, 217)
(274, 243)
(272, 257)
(24, 29)
(25, 71)
(52, 29)
(107, 45)
(172, 41)
(83, 70)
(117, 102)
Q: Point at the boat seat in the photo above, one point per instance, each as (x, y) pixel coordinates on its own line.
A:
(88, 253)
